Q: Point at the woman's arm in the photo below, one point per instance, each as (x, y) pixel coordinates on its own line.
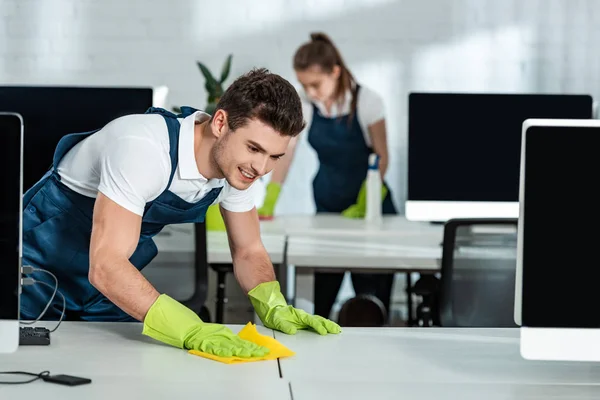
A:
(378, 135)
(283, 166)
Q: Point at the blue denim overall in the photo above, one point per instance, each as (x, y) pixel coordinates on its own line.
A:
(57, 225)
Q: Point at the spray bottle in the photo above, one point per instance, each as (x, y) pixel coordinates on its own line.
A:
(373, 211)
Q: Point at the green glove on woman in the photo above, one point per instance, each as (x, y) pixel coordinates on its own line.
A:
(275, 313)
(268, 207)
(171, 322)
(359, 210)
(214, 219)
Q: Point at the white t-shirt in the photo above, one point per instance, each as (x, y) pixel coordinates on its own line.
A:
(369, 109)
(128, 161)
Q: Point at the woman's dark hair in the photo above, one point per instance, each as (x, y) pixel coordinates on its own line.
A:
(321, 52)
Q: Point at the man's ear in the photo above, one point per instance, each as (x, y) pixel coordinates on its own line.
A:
(219, 123)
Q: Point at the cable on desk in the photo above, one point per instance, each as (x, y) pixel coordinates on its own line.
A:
(41, 375)
(31, 281)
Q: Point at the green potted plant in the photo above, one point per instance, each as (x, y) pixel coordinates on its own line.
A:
(214, 87)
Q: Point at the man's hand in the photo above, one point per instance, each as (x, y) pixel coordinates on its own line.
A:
(171, 322)
(275, 313)
(254, 272)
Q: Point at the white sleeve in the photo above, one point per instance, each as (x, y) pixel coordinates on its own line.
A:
(133, 171)
(235, 200)
(370, 106)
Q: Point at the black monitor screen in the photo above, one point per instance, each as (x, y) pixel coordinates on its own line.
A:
(51, 112)
(466, 147)
(561, 217)
(10, 216)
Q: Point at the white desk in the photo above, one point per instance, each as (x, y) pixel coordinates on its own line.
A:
(124, 364)
(335, 225)
(176, 245)
(440, 391)
(323, 241)
(408, 363)
(176, 242)
(410, 253)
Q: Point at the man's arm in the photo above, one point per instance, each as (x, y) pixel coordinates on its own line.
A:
(115, 235)
(251, 262)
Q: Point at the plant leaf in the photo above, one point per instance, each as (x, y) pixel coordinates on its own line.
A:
(226, 68)
(210, 108)
(211, 82)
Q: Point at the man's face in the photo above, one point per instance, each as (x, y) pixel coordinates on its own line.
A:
(251, 151)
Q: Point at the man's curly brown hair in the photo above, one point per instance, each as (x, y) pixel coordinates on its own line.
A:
(260, 94)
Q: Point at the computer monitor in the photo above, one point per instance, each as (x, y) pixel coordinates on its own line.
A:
(463, 150)
(557, 276)
(11, 159)
(50, 112)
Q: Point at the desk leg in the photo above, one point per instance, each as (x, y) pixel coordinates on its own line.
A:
(221, 300)
(409, 303)
(295, 288)
(282, 277)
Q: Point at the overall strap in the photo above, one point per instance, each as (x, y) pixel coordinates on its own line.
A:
(173, 126)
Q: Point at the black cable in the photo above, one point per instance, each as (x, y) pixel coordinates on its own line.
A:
(62, 315)
(41, 375)
(55, 289)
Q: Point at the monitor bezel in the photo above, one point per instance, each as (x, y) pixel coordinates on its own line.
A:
(9, 329)
(440, 211)
(552, 344)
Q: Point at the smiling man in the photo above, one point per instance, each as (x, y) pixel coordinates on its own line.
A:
(90, 220)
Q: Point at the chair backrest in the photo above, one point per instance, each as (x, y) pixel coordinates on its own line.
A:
(478, 273)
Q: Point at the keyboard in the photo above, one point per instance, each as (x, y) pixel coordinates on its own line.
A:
(37, 336)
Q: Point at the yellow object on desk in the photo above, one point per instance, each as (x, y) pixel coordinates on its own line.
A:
(249, 332)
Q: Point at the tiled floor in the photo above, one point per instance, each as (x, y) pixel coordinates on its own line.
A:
(177, 281)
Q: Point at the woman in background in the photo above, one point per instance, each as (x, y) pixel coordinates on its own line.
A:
(345, 123)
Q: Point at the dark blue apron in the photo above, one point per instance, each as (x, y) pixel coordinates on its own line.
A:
(57, 225)
(343, 162)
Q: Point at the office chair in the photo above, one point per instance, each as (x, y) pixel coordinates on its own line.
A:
(428, 289)
(197, 302)
(477, 287)
(363, 310)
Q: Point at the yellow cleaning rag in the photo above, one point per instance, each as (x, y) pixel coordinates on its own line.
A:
(249, 332)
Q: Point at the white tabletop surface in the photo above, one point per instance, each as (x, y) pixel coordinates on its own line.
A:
(414, 356)
(415, 253)
(334, 225)
(323, 240)
(124, 364)
(352, 390)
(176, 244)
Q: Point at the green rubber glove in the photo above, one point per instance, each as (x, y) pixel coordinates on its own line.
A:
(171, 322)
(359, 209)
(275, 313)
(268, 207)
(214, 219)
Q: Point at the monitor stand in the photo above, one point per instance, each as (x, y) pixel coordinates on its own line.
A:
(560, 344)
(9, 336)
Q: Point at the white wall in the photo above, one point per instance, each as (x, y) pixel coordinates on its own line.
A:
(394, 46)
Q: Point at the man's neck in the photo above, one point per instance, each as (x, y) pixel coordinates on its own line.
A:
(203, 144)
